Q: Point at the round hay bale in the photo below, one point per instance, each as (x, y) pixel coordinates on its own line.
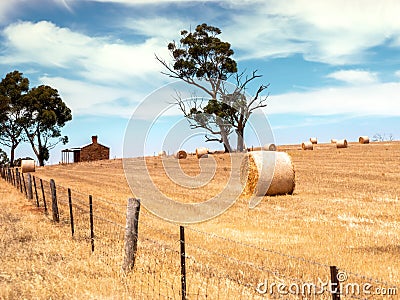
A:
(269, 147)
(255, 148)
(267, 173)
(162, 153)
(203, 156)
(27, 165)
(201, 151)
(341, 143)
(363, 139)
(307, 146)
(333, 141)
(180, 154)
(314, 140)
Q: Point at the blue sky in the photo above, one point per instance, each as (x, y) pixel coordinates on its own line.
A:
(333, 66)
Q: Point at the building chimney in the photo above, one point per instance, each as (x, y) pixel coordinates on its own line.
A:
(94, 139)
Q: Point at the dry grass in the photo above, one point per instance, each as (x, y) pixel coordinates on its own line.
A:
(345, 211)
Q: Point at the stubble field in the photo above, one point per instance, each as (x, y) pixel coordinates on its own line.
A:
(345, 211)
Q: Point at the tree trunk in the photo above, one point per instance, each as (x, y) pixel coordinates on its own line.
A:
(12, 155)
(240, 140)
(40, 147)
(41, 160)
(225, 141)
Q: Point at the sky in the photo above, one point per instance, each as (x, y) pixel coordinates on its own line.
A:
(333, 66)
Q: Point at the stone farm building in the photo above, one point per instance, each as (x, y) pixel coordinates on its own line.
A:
(91, 152)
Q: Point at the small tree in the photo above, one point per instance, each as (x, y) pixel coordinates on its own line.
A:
(378, 137)
(201, 59)
(45, 115)
(13, 89)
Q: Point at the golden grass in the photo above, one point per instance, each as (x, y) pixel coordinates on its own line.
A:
(345, 211)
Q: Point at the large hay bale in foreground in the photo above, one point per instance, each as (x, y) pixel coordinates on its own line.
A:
(180, 154)
(201, 151)
(307, 146)
(314, 140)
(267, 173)
(27, 165)
(341, 143)
(363, 139)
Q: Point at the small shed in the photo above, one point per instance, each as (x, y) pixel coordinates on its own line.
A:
(91, 152)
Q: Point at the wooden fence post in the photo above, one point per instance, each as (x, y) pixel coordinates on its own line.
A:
(30, 192)
(335, 288)
(183, 261)
(13, 176)
(23, 181)
(43, 196)
(10, 178)
(54, 204)
(18, 183)
(91, 222)
(131, 233)
(70, 212)
(9, 175)
(18, 179)
(36, 193)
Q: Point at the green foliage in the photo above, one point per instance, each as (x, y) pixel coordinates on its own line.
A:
(36, 115)
(201, 59)
(45, 115)
(3, 158)
(13, 89)
(202, 54)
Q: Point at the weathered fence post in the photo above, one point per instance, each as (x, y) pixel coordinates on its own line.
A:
(131, 233)
(18, 184)
(30, 192)
(36, 193)
(9, 175)
(23, 181)
(13, 177)
(44, 197)
(335, 287)
(54, 204)
(183, 262)
(70, 212)
(91, 222)
(18, 179)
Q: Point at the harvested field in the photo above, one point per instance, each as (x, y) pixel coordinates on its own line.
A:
(345, 211)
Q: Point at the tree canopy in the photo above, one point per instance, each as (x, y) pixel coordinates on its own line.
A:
(35, 115)
(3, 158)
(45, 115)
(13, 89)
(201, 59)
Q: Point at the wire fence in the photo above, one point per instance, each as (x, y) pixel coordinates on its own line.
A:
(175, 262)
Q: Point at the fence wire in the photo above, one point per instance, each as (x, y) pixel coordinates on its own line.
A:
(216, 267)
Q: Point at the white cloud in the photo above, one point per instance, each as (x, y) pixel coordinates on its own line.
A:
(97, 59)
(354, 77)
(397, 73)
(363, 100)
(161, 28)
(332, 31)
(94, 99)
